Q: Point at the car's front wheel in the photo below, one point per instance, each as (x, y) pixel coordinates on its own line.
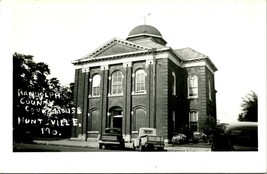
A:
(100, 146)
(141, 148)
(160, 148)
(134, 148)
(122, 146)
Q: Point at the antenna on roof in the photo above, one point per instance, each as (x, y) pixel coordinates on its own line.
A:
(145, 18)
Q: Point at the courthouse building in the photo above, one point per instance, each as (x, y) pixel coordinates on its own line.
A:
(140, 82)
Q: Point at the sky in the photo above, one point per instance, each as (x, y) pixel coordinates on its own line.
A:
(231, 32)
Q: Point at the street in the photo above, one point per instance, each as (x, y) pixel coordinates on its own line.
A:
(41, 147)
(20, 147)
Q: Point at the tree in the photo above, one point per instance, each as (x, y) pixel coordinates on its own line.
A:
(207, 125)
(29, 75)
(37, 97)
(249, 108)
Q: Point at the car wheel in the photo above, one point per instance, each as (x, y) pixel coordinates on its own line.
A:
(161, 149)
(122, 146)
(134, 148)
(100, 146)
(106, 146)
(140, 147)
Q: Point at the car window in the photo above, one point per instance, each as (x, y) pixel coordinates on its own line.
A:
(148, 131)
(114, 131)
(134, 135)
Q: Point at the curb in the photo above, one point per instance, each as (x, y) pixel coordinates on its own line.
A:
(86, 144)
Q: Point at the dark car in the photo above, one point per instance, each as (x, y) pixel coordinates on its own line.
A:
(238, 136)
(111, 137)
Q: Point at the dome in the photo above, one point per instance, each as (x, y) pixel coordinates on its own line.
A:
(145, 29)
(142, 32)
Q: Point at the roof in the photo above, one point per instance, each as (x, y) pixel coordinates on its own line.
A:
(189, 54)
(145, 29)
(115, 46)
(241, 125)
(237, 125)
(144, 39)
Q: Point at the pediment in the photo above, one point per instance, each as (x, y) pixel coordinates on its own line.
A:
(115, 46)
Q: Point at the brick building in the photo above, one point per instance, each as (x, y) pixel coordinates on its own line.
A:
(141, 82)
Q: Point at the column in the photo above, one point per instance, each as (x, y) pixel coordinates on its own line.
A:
(74, 131)
(149, 89)
(103, 95)
(85, 72)
(127, 90)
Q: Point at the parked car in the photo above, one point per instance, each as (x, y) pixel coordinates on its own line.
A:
(238, 136)
(179, 139)
(111, 137)
(147, 139)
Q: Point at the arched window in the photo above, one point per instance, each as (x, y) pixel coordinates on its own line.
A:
(140, 119)
(140, 81)
(193, 120)
(114, 117)
(117, 81)
(96, 85)
(174, 121)
(173, 84)
(95, 121)
(192, 86)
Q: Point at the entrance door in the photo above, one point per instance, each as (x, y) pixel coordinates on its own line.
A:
(116, 120)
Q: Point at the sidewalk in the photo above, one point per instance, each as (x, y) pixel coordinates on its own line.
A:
(94, 144)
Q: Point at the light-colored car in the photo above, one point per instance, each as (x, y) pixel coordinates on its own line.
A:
(147, 139)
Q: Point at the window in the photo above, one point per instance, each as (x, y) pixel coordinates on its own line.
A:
(193, 120)
(139, 119)
(173, 84)
(96, 85)
(114, 117)
(209, 90)
(192, 86)
(173, 121)
(95, 121)
(140, 81)
(116, 84)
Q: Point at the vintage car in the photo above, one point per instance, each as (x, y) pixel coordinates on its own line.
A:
(111, 137)
(238, 136)
(147, 139)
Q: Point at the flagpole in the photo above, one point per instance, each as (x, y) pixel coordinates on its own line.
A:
(145, 18)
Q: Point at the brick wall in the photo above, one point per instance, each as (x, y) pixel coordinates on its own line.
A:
(164, 101)
(162, 81)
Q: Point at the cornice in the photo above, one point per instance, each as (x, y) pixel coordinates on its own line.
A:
(119, 56)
